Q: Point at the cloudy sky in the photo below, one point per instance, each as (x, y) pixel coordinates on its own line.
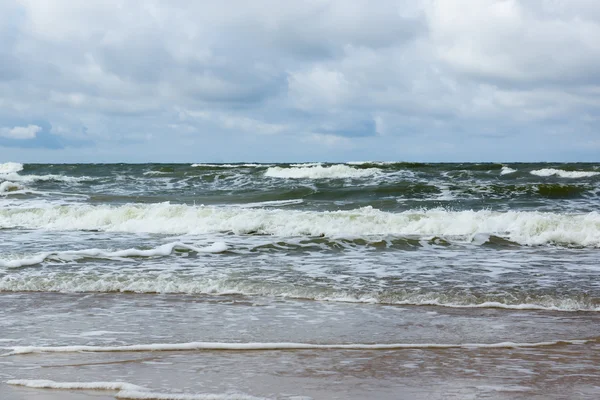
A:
(311, 80)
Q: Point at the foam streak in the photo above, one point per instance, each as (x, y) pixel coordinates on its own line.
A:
(215, 346)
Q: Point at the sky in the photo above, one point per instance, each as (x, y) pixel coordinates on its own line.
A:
(289, 81)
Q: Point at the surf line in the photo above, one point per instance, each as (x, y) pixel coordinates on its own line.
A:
(127, 390)
(216, 346)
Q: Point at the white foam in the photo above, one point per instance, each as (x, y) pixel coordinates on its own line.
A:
(10, 171)
(155, 173)
(523, 227)
(271, 203)
(22, 262)
(507, 170)
(127, 390)
(217, 247)
(48, 384)
(10, 167)
(307, 164)
(51, 177)
(549, 305)
(445, 193)
(372, 162)
(160, 251)
(8, 187)
(173, 284)
(564, 174)
(338, 171)
(216, 346)
(249, 165)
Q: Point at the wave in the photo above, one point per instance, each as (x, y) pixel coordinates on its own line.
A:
(248, 165)
(373, 162)
(10, 172)
(155, 173)
(127, 390)
(172, 283)
(216, 346)
(507, 170)
(522, 227)
(164, 250)
(338, 171)
(564, 174)
(10, 167)
(270, 203)
(8, 187)
(13, 176)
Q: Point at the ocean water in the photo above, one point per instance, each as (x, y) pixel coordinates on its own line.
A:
(299, 281)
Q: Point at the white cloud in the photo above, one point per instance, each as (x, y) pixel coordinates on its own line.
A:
(110, 72)
(516, 40)
(21, 132)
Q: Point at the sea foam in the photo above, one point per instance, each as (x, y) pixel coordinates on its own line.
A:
(127, 390)
(10, 167)
(48, 384)
(111, 282)
(523, 227)
(564, 174)
(216, 346)
(164, 250)
(13, 176)
(338, 171)
(507, 170)
(8, 187)
(248, 165)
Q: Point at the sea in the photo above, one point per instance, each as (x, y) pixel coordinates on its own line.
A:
(357, 280)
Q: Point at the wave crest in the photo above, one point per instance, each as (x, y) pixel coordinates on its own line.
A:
(338, 171)
(564, 174)
(173, 283)
(8, 187)
(199, 346)
(507, 170)
(164, 250)
(10, 167)
(522, 227)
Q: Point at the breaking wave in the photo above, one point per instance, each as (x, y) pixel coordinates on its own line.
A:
(10, 167)
(247, 165)
(522, 227)
(564, 174)
(73, 255)
(8, 187)
(339, 171)
(507, 170)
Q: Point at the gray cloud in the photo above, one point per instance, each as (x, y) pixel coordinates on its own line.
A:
(198, 80)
